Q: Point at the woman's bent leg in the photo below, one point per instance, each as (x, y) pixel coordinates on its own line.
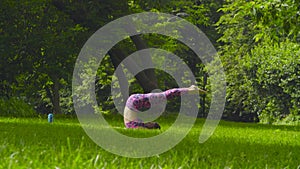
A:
(129, 115)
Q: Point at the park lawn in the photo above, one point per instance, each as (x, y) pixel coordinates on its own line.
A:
(34, 143)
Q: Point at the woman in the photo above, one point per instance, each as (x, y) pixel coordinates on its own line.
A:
(141, 102)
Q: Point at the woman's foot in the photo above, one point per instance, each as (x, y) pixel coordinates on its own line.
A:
(152, 125)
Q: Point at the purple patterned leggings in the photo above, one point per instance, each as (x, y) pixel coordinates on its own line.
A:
(142, 102)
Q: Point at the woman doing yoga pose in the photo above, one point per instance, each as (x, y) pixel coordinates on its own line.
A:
(141, 102)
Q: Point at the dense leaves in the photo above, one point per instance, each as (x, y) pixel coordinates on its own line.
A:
(258, 43)
(261, 58)
(15, 107)
(271, 81)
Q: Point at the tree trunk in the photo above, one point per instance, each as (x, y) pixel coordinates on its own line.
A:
(146, 83)
(56, 97)
(53, 94)
(204, 96)
(120, 75)
(140, 44)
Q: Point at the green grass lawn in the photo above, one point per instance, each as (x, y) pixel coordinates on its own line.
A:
(34, 143)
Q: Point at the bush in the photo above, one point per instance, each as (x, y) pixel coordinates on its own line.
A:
(15, 107)
(274, 76)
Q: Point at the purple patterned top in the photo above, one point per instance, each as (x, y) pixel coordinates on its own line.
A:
(142, 102)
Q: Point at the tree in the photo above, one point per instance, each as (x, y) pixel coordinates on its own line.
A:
(248, 26)
(43, 41)
(40, 41)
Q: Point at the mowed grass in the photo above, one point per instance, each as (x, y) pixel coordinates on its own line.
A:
(34, 143)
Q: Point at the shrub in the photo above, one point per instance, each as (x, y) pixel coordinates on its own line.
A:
(15, 107)
(274, 74)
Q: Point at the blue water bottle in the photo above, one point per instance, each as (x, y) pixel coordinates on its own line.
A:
(50, 118)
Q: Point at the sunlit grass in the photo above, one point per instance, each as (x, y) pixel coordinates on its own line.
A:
(34, 143)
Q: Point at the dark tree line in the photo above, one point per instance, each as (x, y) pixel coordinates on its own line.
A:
(258, 42)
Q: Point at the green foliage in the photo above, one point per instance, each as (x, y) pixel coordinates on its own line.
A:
(40, 41)
(261, 58)
(103, 85)
(15, 107)
(249, 22)
(259, 47)
(267, 83)
(274, 73)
